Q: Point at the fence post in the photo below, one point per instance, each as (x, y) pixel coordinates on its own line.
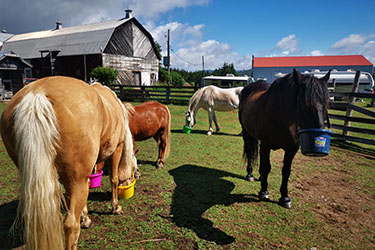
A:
(351, 100)
(143, 93)
(168, 94)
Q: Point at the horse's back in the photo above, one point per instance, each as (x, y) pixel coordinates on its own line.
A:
(221, 99)
(147, 119)
(82, 113)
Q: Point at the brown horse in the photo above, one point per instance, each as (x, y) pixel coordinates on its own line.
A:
(151, 120)
(59, 128)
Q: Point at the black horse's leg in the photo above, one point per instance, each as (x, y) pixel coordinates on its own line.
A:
(250, 152)
(288, 158)
(264, 170)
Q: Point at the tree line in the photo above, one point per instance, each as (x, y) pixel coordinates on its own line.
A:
(178, 77)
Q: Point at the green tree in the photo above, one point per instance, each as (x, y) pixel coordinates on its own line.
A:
(174, 77)
(177, 79)
(104, 75)
(226, 69)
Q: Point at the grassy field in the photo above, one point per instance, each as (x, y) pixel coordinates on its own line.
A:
(200, 200)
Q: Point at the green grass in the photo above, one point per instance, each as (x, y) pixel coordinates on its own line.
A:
(200, 200)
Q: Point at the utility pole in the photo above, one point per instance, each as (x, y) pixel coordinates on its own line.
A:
(202, 72)
(169, 56)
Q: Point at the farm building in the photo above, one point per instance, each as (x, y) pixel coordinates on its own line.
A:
(227, 81)
(122, 44)
(270, 67)
(13, 71)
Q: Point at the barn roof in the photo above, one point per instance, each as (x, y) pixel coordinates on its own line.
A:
(5, 36)
(10, 54)
(311, 61)
(77, 40)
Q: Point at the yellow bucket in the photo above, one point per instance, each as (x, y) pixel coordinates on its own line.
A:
(126, 192)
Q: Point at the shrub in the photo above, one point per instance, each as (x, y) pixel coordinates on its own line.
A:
(104, 75)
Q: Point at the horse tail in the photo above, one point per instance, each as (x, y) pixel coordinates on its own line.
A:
(36, 135)
(250, 151)
(129, 107)
(168, 135)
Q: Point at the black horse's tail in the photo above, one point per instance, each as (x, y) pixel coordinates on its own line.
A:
(250, 149)
(251, 144)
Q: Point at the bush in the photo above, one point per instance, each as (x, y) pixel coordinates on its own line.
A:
(174, 78)
(104, 75)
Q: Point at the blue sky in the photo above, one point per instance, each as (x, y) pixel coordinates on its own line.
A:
(221, 31)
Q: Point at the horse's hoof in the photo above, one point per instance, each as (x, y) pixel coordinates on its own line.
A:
(118, 210)
(264, 196)
(285, 202)
(209, 133)
(250, 178)
(86, 224)
(159, 164)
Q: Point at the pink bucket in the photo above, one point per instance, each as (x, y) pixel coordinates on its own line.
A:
(96, 179)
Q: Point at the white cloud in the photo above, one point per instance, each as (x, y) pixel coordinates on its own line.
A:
(288, 45)
(153, 9)
(188, 47)
(316, 53)
(355, 44)
(349, 43)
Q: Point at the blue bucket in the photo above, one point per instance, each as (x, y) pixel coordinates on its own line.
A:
(315, 142)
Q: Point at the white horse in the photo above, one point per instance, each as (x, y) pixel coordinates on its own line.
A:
(212, 98)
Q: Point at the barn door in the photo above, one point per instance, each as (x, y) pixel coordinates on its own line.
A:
(137, 78)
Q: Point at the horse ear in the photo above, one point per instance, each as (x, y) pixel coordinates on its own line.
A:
(296, 75)
(326, 77)
(137, 150)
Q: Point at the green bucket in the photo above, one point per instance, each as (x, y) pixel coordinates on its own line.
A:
(186, 129)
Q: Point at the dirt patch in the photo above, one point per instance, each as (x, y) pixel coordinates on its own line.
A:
(336, 196)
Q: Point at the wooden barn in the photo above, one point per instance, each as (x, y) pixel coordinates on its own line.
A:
(122, 44)
(13, 71)
(269, 68)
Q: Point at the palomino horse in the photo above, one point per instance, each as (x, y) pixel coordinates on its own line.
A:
(54, 129)
(273, 114)
(212, 98)
(151, 120)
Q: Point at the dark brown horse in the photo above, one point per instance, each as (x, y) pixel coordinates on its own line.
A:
(273, 114)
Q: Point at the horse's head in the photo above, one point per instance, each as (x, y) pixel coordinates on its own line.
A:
(312, 100)
(189, 119)
(126, 178)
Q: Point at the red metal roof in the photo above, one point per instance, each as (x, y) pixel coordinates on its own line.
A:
(310, 61)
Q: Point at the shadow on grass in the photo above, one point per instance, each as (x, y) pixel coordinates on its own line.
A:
(9, 240)
(197, 190)
(202, 132)
(352, 147)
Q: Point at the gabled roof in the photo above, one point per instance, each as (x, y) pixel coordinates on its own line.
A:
(10, 54)
(4, 37)
(311, 61)
(77, 40)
